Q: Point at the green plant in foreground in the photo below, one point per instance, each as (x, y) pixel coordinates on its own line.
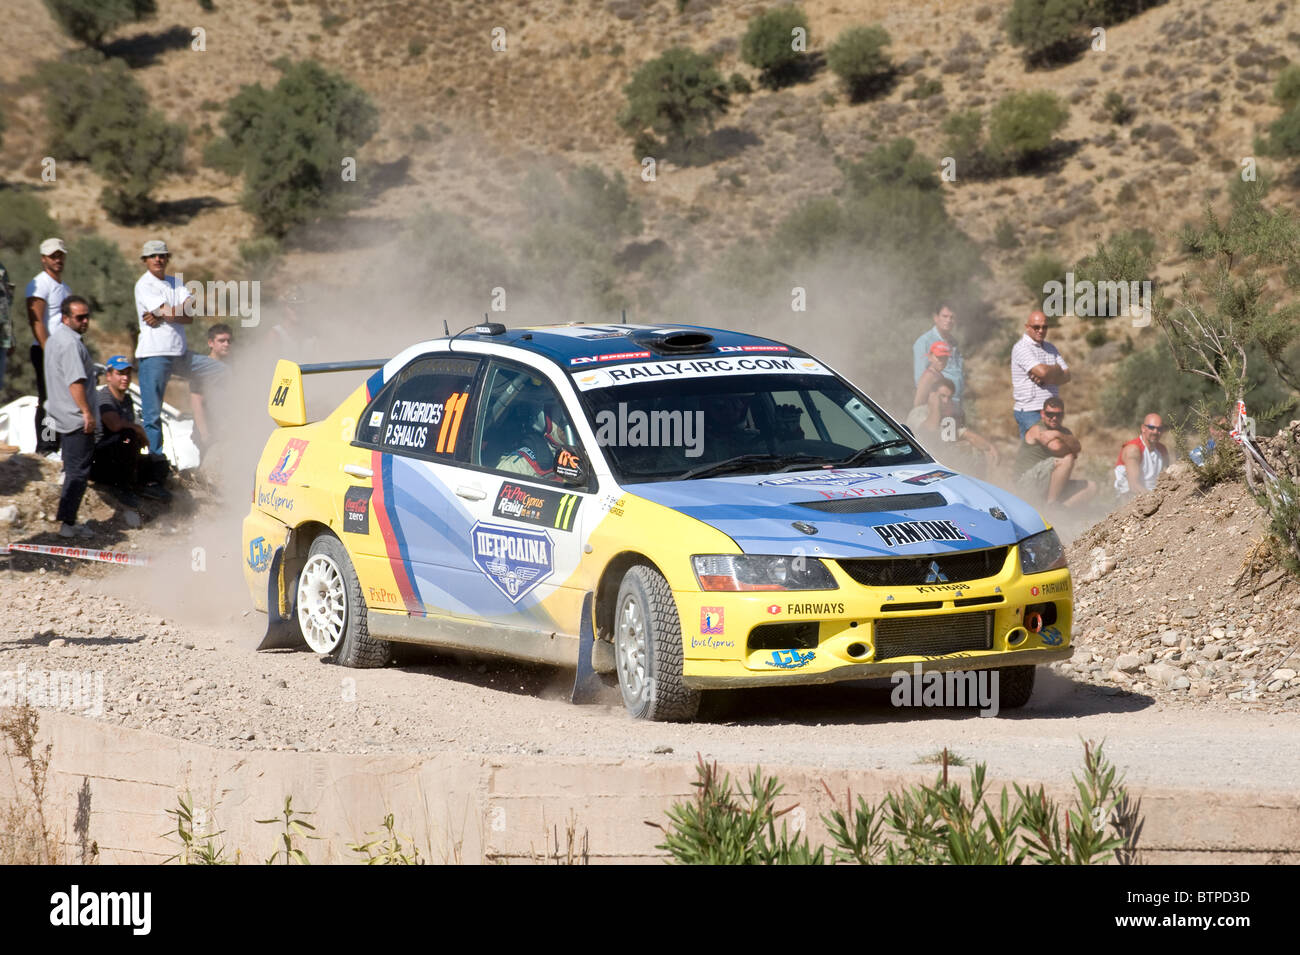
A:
(196, 847)
(938, 824)
(294, 826)
(388, 848)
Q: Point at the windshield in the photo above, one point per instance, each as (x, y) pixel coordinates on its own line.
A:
(711, 426)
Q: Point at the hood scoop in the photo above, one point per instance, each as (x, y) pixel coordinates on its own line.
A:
(868, 505)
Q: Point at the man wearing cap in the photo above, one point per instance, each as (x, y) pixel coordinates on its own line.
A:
(70, 375)
(940, 355)
(46, 294)
(1037, 372)
(118, 459)
(941, 331)
(161, 351)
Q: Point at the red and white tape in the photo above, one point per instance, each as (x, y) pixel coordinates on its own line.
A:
(82, 553)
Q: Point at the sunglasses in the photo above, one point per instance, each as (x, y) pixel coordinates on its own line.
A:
(1053, 414)
(1037, 328)
(1154, 427)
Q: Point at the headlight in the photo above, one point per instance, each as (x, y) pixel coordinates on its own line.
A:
(744, 572)
(1041, 552)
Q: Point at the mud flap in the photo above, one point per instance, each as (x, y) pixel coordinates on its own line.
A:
(587, 684)
(281, 634)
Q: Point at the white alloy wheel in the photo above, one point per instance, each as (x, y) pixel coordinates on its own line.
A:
(322, 604)
(630, 649)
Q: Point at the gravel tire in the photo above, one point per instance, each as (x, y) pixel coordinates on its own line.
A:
(648, 649)
(357, 648)
(1015, 686)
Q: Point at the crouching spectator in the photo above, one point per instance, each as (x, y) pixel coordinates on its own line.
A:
(940, 419)
(1142, 459)
(1046, 460)
(121, 457)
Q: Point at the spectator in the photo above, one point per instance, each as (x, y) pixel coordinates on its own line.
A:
(944, 320)
(70, 376)
(119, 461)
(1047, 457)
(1218, 431)
(1142, 459)
(1037, 372)
(161, 302)
(940, 354)
(941, 419)
(46, 294)
(213, 386)
(6, 324)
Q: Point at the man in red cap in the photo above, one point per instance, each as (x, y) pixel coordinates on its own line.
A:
(937, 358)
(1037, 372)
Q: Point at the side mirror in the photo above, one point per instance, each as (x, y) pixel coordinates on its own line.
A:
(570, 468)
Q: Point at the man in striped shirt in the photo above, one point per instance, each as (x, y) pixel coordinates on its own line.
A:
(1037, 372)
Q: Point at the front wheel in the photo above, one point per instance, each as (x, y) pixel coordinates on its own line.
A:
(648, 649)
(1015, 686)
(331, 611)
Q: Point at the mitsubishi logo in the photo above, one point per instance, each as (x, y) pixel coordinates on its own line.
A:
(936, 576)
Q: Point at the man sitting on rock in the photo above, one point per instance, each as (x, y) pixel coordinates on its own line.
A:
(121, 459)
(1047, 457)
(1142, 459)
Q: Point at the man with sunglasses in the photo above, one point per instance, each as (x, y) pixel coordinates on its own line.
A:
(1142, 459)
(70, 378)
(1046, 460)
(1037, 372)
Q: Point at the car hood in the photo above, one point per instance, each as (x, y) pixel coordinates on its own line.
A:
(857, 512)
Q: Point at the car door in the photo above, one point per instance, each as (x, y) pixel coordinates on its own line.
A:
(414, 430)
(520, 505)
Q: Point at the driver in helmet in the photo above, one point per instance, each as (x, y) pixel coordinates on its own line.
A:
(536, 417)
(725, 434)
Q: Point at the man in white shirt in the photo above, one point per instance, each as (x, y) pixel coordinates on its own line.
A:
(1037, 372)
(1141, 459)
(45, 296)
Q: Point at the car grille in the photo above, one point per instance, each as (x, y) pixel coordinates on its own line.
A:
(914, 571)
(868, 505)
(932, 636)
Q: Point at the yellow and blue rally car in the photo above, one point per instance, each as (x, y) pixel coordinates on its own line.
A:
(688, 508)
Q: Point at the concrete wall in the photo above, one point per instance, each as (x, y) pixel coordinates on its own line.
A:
(468, 808)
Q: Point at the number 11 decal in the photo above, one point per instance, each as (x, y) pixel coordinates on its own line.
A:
(451, 423)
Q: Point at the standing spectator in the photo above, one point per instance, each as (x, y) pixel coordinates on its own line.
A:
(6, 324)
(213, 387)
(1037, 372)
(944, 320)
(70, 375)
(1047, 457)
(1142, 459)
(46, 294)
(118, 459)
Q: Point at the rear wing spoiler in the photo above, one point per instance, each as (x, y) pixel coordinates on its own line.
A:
(287, 405)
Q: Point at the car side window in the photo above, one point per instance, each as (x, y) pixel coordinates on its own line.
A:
(422, 411)
(523, 427)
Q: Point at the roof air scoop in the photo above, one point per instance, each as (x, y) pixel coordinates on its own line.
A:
(674, 342)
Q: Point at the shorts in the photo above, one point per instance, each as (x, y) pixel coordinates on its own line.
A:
(1035, 482)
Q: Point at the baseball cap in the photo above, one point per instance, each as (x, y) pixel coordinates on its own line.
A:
(119, 363)
(153, 247)
(942, 349)
(50, 246)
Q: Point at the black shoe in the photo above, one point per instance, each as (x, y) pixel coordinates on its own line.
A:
(155, 492)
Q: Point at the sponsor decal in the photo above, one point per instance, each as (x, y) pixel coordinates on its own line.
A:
(773, 608)
(830, 477)
(935, 588)
(376, 419)
(790, 659)
(515, 560)
(381, 595)
(711, 621)
(916, 532)
(274, 500)
(695, 368)
(356, 510)
(1052, 636)
(851, 492)
(820, 609)
(259, 554)
(289, 460)
(1057, 587)
(712, 643)
(744, 348)
(568, 464)
(998, 513)
(536, 506)
(613, 505)
(281, 393)
(929, 477)
(613, 356)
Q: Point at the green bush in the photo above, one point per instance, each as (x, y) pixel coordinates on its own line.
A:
(89, 21)
(1022, 124)
(859, 59)
(1040, 270)
(676, 96)
(1050, 31)
(1106, 12)
(98, 113)
(588, 199)
(97, 270)
(739, 85)
(1006, 235)
(1118, 111)
(1287, 89)
(897, 163)
(1124, 257)
(290, 141)
(964, 132)
(769, 45)
(1283, 135)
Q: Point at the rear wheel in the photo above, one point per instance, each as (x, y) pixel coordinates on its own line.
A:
(331, 611)
(1015, 686)
(648, 649)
